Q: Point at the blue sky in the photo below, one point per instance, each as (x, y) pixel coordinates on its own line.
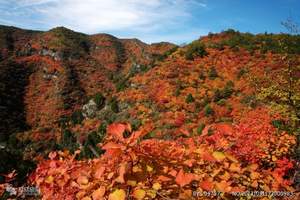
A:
(177, 21)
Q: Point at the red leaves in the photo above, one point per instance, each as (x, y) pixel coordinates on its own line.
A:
(207, 185)
(116, 130)
(183, 178)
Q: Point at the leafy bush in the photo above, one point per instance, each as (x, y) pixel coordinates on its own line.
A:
(99, 100)
(225, 93)
(200, 128)
(114, 105)
(149, 135)
(135, 124)
(221, 102)
(195, 49)
(162, 57)
(250, 100)
(202, 75)
(77, 117)
(68, 141)
(68, 41)
(90, 148)
(212, 74)
(241, 73)
(208, 110)
(189, 98)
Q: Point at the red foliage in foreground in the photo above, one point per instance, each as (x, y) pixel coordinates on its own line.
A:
(156, 169)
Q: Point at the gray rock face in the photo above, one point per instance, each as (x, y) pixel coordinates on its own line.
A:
(90, 109)
(49, 76)
(57, 56)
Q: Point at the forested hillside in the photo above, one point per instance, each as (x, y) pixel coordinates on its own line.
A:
(97, 117)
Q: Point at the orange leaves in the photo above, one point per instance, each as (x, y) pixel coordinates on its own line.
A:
(207, 185)
(116, 130)
(122, 171)
(99, 193)
(183, 178)
(99, 173)
(82, 180)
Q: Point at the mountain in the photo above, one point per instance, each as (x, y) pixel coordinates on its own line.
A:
(59, 69)
(152, 120)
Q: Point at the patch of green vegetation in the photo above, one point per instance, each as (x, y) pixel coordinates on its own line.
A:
(114, 106)
(99, 100)
(221, 102)
(200, 128)
(77, 117)
(68, 41)
(262, 42)
(225, 93)
(195, 49)
(189, 98)
(135, 124)
(90, 149)
(150, 135)
(68, 141)
(162, 57)
(208, 110)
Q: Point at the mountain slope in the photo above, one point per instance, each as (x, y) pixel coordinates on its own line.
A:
(114, 117)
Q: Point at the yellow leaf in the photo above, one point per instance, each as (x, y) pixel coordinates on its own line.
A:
(219, 156)
(131, 183)
(156, 186)
(118, 194)
(139, 194)
(49, 179)
(136, 169)
(149, 168)
(151, 193)
(274, 159)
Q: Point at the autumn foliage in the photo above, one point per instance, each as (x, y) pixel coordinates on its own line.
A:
(127, 120)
